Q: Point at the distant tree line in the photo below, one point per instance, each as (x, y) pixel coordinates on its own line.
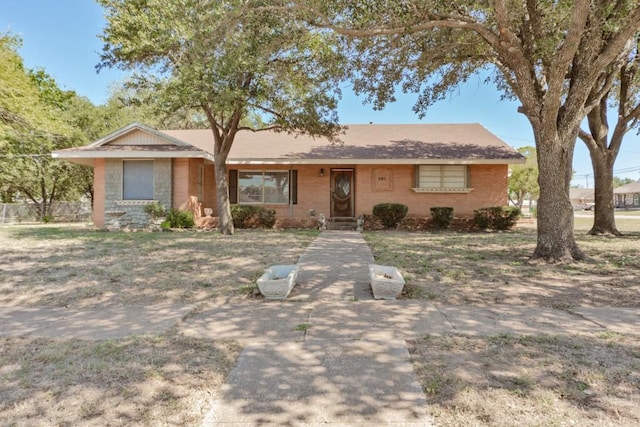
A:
(38, 117)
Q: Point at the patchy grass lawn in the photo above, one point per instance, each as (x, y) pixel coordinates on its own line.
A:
(70, 266)
(148, 380)
(531, 380)
(589, 380)
(169, 379)
(491, 268)
(154, 380)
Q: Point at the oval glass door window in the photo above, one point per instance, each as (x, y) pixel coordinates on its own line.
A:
(343, 185)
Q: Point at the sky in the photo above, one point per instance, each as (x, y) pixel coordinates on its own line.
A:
(61, 37)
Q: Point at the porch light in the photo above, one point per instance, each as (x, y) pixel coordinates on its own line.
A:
(321, 171)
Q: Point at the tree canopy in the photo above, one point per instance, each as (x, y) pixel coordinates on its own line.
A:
(32, 124)
(21, 108)
(245, 70)
(547, 54)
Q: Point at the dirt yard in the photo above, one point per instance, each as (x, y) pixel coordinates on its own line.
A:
(149, 380)
(168, 379)
(582, 380)
(461, 268)
(78, 267)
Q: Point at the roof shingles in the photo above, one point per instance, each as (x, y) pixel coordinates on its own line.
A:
(414, 142)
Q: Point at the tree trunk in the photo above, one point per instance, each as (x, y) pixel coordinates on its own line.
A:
(222, 189)
(604, 221)
(521, 195)
(556, 242)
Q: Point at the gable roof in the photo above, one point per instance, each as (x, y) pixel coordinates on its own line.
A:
(132, 141)
(373, 144)
(632, 187)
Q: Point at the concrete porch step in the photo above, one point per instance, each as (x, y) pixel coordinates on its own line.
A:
(341, 224)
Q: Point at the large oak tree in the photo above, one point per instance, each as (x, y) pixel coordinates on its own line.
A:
(231, 62)
(548, 54)
(604, 145)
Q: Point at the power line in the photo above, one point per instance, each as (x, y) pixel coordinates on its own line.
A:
(516, 138)
(628, 169)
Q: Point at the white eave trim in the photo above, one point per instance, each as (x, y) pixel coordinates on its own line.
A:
(232, 161)
(131, 155)
(71, 155)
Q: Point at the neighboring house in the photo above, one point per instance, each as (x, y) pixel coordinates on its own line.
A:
(582, 198)
(627, 196)
(463, 166)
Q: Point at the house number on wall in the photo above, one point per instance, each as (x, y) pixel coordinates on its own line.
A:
(381, 179)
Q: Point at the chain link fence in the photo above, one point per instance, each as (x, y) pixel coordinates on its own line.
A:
(17, 213)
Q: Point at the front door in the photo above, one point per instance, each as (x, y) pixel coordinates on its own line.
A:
(342, 193)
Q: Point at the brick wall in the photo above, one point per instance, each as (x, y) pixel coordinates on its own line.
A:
(98, 192)
(175, 180)
(489, 184)
(313, 191)
(180, 182)
(210, 189)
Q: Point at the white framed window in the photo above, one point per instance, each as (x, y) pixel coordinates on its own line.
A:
(263, 187)
(442, 178)
(137, 179)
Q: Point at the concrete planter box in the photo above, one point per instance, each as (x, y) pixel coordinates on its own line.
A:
(277, 281)
(386, 282)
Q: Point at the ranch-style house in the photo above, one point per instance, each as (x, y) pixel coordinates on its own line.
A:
(463, 166)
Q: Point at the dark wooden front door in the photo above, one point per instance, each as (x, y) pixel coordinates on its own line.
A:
(342, 193)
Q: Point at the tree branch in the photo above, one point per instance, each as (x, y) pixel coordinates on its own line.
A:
(611, 50)
(587, 138)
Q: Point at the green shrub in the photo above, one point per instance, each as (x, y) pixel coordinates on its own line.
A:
(442, 216)
(180, 219)
(390, 214)
(252, 216)
(155, 210)
(496, 217)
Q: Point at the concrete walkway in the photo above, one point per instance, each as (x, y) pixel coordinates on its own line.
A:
(334, 267)
(330, 354)
(294, 321)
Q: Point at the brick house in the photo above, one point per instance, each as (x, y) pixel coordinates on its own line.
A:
(627, 196)
(463, 166)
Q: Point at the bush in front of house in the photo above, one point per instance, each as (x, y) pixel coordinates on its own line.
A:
(496, 217)
(390, 214)
(178, 219)
(442, 216)
(155, 210)
(252, 216)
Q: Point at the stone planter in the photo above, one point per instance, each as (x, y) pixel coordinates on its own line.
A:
(155, 223)
(277, 281)
(386, 282)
